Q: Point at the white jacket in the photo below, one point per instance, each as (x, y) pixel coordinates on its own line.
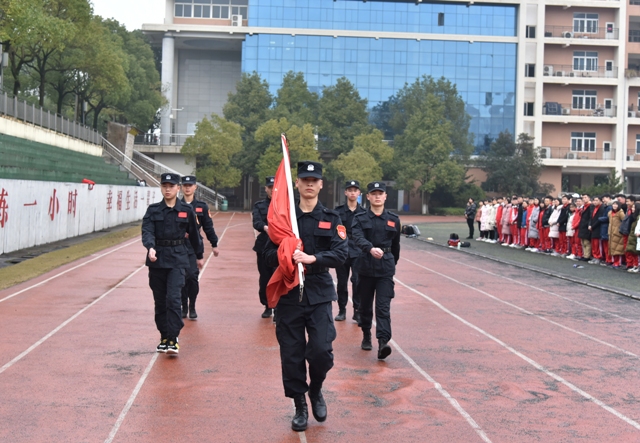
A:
(554, 231)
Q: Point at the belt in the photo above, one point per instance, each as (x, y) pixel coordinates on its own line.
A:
(169, 242)
(315, 270)
(383, 249)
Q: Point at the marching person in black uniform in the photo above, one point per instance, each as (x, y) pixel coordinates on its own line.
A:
(260, 211)
(377, 234)
(203, 217)
(325, 246)
(164, 229)
(347, 212)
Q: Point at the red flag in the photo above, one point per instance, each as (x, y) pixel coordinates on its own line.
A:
(283, 232)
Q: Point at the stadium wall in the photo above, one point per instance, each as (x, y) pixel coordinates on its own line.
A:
(38, 212)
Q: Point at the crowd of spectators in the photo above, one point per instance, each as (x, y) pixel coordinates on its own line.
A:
(600, 230)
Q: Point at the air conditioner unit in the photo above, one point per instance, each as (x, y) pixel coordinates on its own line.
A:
(631, 158)
(548, 70)
(566, 111)
(567, 34)
(545, 152)
(631, 114)
(572, 74)
(559, 74)
(236, 20)
(571, 155)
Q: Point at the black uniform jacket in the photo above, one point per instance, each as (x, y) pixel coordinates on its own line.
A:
(204, 220)
(585, 222)
(347, 215)
(320, 232)
(260, 211)
(161, 224)
(373, 231)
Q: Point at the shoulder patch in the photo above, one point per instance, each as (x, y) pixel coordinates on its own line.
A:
(342, 232)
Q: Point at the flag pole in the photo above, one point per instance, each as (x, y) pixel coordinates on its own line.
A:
(292, 203)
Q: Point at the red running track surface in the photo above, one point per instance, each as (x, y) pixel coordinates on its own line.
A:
(482, 352)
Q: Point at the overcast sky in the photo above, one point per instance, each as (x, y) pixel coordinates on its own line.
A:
(131, 13)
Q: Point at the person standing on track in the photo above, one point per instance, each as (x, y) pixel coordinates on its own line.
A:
(164, 229)
(470, 215)
(259, 215)
(377, 233)
(347, 212)
(203, 217)
(309, 313)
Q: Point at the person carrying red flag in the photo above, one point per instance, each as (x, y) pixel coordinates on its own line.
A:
(304, 310)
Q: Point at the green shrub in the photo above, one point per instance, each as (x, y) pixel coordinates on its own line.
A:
(448, 211)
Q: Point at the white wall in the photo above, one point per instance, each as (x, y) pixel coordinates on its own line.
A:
(30, 215)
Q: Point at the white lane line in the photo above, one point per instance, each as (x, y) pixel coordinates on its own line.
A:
(586, 305)
(524, 311)
(143, 378)
(66, 322)
(533, 363)
(69, 270)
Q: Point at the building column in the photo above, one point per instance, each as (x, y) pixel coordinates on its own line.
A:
(168, 55)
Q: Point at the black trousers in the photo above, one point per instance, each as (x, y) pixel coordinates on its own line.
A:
(380, 289)
(471, 228)
(191, 287)
(342, 272)
(265, 275)
(166, 285)
(294, 323)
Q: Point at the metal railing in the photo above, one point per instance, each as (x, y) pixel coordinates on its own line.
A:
(567, 153)
(554, 108)
(156, 169)
(161, 139)
(128, 164)
(571, 32)
(571, 71)
(21, 110)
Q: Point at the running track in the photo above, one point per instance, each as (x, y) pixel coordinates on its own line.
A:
(482, 352)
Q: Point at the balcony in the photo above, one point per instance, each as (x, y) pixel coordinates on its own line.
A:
(565, 109)
(567, 153)
(568, 32)
(607, 71)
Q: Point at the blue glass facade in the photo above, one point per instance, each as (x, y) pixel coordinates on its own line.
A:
(484, 72)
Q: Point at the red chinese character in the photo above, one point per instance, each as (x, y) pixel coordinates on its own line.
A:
(71, 206)
(54, 205)
(4, 215)
(109, 200)
(119, 203)
(128, 200)
(135, 199)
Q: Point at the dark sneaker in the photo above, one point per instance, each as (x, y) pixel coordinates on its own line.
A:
(342, 315)
(192, 313)
(172, 346)
(266, 313)
(162, 346)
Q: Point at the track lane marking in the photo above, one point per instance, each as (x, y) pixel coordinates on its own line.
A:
(143, 378)
(532, 362)
(524, 311)
(66, 322)
(68, 270)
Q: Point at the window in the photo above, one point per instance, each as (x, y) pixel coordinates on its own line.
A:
(606, 146)
(222, 9)
(583, 141)
(531, 32)
(584, 99)
(585, 61)
(488, 99)
(585, 23)
(528, 109)
(530, 70)
(440, 18)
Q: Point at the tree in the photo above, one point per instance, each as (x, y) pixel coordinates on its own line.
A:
(212, 146)
(424, 152)
(513, 167)
(611, 184)
(295, 102)
(301, 146)
(342, 116)
(359, 165)
(249, 107)
(373, 144)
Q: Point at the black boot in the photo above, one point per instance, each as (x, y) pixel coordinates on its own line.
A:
(356, 317)
(342, 315)
(366, 340)
(185, 310)
(299, 422)
(274, 315)
(318, 405)
(192, 312)
(266, 313)
(383, 349)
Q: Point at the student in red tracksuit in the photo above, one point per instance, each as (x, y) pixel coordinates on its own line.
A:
(499, 219)
(594, 228)
(576, 244)
(571, 232)
(513, 222)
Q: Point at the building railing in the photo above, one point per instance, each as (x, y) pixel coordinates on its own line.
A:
(156, 169)
(601, 32)
(21, 110)
(128, 164)
(161, 139)
(554, 108)
(573, 71)
(568, 153)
